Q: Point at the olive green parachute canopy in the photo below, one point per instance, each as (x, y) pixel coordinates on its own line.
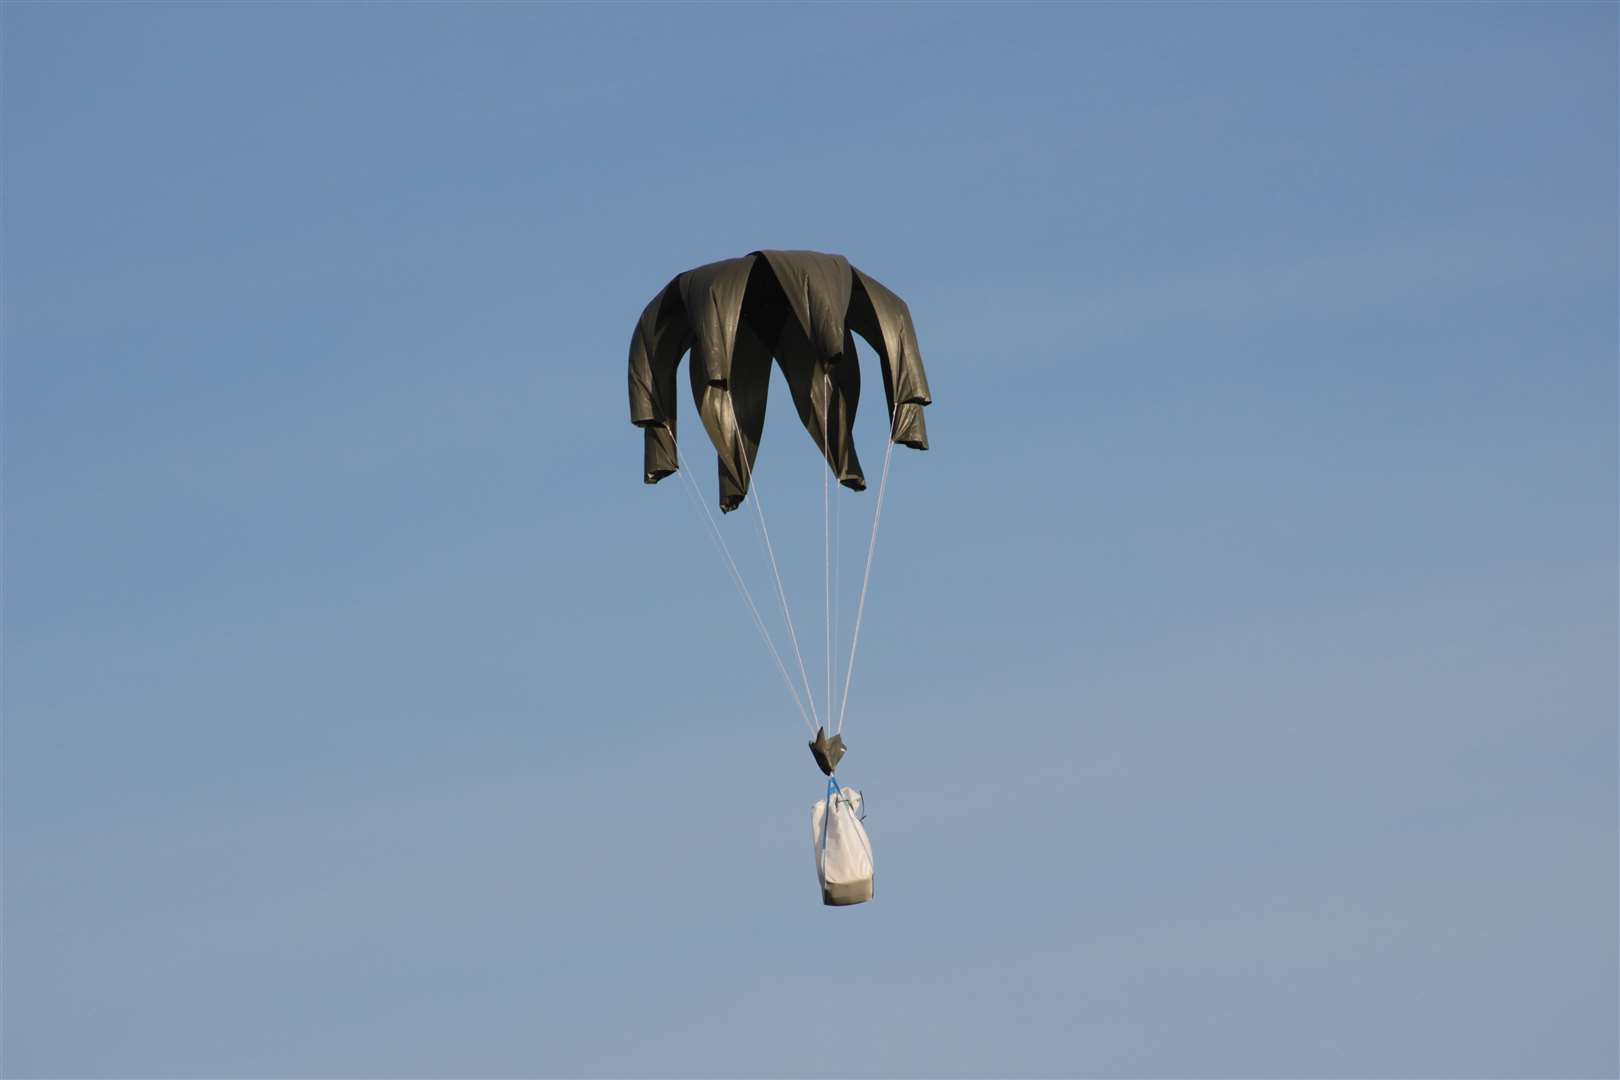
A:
(800, 307)
(827, 752)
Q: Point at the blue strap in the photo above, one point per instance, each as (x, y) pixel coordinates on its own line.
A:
(826, 815)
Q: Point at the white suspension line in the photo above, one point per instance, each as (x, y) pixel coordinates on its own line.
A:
(781, 593)
(742, 587)
(826, 526)
(837, 588)
(866, 578)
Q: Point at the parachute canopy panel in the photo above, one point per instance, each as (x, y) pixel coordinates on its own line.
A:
(798, 308)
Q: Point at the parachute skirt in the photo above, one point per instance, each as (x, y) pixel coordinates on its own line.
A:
(843, 850)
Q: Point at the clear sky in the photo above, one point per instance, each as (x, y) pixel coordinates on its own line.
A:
(1237, 692)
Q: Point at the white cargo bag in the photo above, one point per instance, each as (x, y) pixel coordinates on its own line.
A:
(843, 853)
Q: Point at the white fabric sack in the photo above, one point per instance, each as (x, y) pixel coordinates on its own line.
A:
(843, 852)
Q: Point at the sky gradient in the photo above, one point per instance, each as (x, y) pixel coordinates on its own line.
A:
(1237, 692)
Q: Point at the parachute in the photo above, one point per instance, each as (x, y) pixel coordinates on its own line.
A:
(734, 316)
(801, 309)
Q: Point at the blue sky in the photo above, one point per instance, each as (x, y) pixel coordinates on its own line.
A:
(1237, 692)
